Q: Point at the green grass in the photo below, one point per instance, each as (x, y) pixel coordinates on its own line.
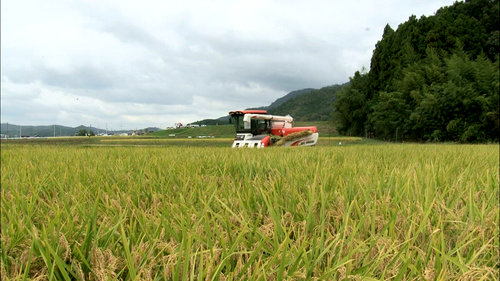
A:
(364, 212)
(325, 128)
(217, 131)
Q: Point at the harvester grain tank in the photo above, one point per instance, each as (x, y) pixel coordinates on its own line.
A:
(256, 128)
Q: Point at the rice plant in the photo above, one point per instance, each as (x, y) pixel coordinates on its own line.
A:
(358, 212)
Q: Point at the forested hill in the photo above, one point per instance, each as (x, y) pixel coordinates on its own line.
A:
(303, 105)
(314, 105)
(287, 97)
(434, 78)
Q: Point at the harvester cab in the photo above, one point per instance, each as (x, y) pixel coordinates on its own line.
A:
(256, 128)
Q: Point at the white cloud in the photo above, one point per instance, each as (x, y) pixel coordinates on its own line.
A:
(152, 63)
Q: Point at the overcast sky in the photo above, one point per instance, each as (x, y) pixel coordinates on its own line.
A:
(135, 64)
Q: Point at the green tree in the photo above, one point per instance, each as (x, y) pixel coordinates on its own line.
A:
(351, 106)
(84, 132)
(81, 132)
(390, 115)
(434, 78)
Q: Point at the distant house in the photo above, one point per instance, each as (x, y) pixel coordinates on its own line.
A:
(139, 132)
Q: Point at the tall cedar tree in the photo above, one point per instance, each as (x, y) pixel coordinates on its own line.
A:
(435, 78)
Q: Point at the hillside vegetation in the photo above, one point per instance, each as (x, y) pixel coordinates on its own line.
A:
(314, 105)
(303, 105)
(434, 78)
(287, 97)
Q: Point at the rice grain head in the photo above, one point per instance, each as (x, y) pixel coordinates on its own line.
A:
(293, 136)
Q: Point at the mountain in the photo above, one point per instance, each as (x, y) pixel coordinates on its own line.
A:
(13, 130)
(289, 96)
(304, 105)
(308, 105)
(284, 99)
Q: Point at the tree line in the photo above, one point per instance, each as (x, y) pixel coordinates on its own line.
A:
(433, 79)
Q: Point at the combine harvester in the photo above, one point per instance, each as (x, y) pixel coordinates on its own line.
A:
(256, 128)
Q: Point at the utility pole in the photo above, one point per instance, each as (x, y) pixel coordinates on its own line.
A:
(54, 131)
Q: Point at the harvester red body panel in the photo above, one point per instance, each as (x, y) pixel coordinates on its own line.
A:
(256, 128)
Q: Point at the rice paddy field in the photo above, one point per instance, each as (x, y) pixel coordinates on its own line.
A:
(171, 211)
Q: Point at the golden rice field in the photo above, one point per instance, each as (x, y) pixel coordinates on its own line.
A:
(226, 140)
(356, 212)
